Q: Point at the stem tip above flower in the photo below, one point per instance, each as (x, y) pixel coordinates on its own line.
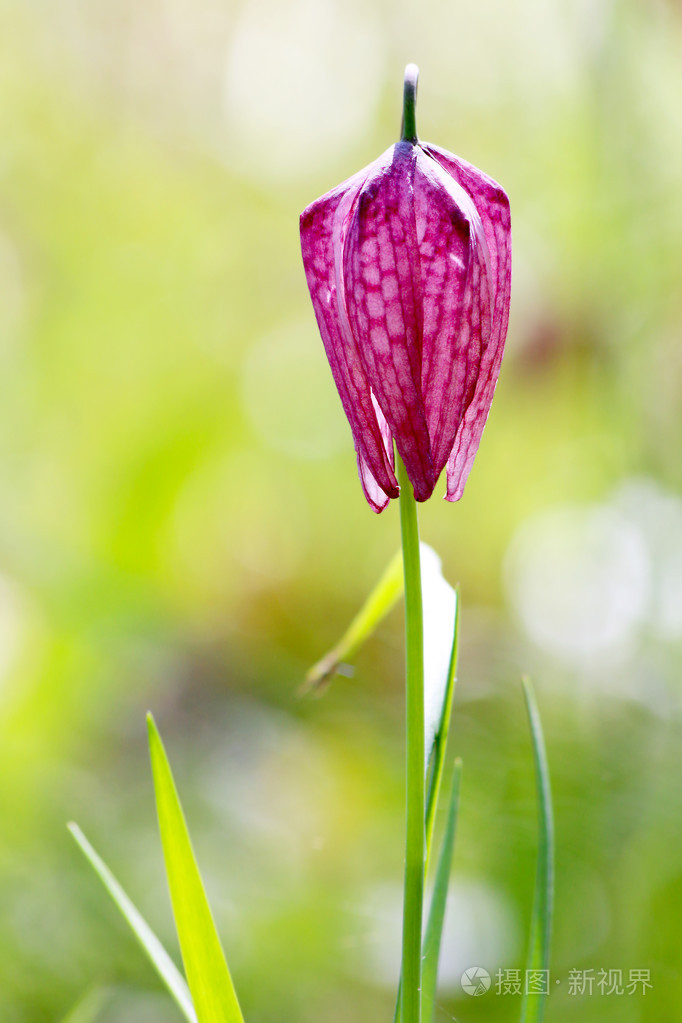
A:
(409, 126)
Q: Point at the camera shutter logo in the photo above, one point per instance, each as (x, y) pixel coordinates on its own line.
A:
(475, 981)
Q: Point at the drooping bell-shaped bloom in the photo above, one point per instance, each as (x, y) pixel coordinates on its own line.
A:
(409, 269)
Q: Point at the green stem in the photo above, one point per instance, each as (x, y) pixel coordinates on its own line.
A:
(409, 127)
(415, 840)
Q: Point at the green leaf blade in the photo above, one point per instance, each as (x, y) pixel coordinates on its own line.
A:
(533, 1006)
(161, 961)
(208, 975)
(436, 919)
(382, 598)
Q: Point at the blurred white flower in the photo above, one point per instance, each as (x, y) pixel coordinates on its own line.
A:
(657, 514)
(480, 929)
(590, 583)
(580, 580)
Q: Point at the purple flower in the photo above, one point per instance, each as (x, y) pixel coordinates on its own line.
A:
(409, 269)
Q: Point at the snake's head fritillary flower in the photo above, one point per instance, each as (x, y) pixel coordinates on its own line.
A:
(409, 269)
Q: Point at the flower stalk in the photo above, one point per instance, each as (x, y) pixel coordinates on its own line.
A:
(415, 832)
(408, 263)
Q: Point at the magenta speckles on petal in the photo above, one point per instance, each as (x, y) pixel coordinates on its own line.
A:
(409, 269)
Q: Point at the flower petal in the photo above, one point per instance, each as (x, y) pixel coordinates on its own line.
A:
(376, 497)
(457, 301)
(493, 207)
(382, 289)
(323, 227)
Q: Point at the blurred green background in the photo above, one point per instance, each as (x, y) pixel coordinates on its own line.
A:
(182, 528)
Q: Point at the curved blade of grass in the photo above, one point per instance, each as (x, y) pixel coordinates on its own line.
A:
(437, 755)
(383, 597)
(436, 919)
(87, 1008)
(380, 601)
(533, 1005)
(208, 976)
(162, 962)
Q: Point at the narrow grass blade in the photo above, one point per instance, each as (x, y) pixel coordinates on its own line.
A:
(160, 959)
(215, 1000)
(537, 965)
(438, 612)
(434, 926)
(88, 1008)
(440, 737)
(383, 597)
